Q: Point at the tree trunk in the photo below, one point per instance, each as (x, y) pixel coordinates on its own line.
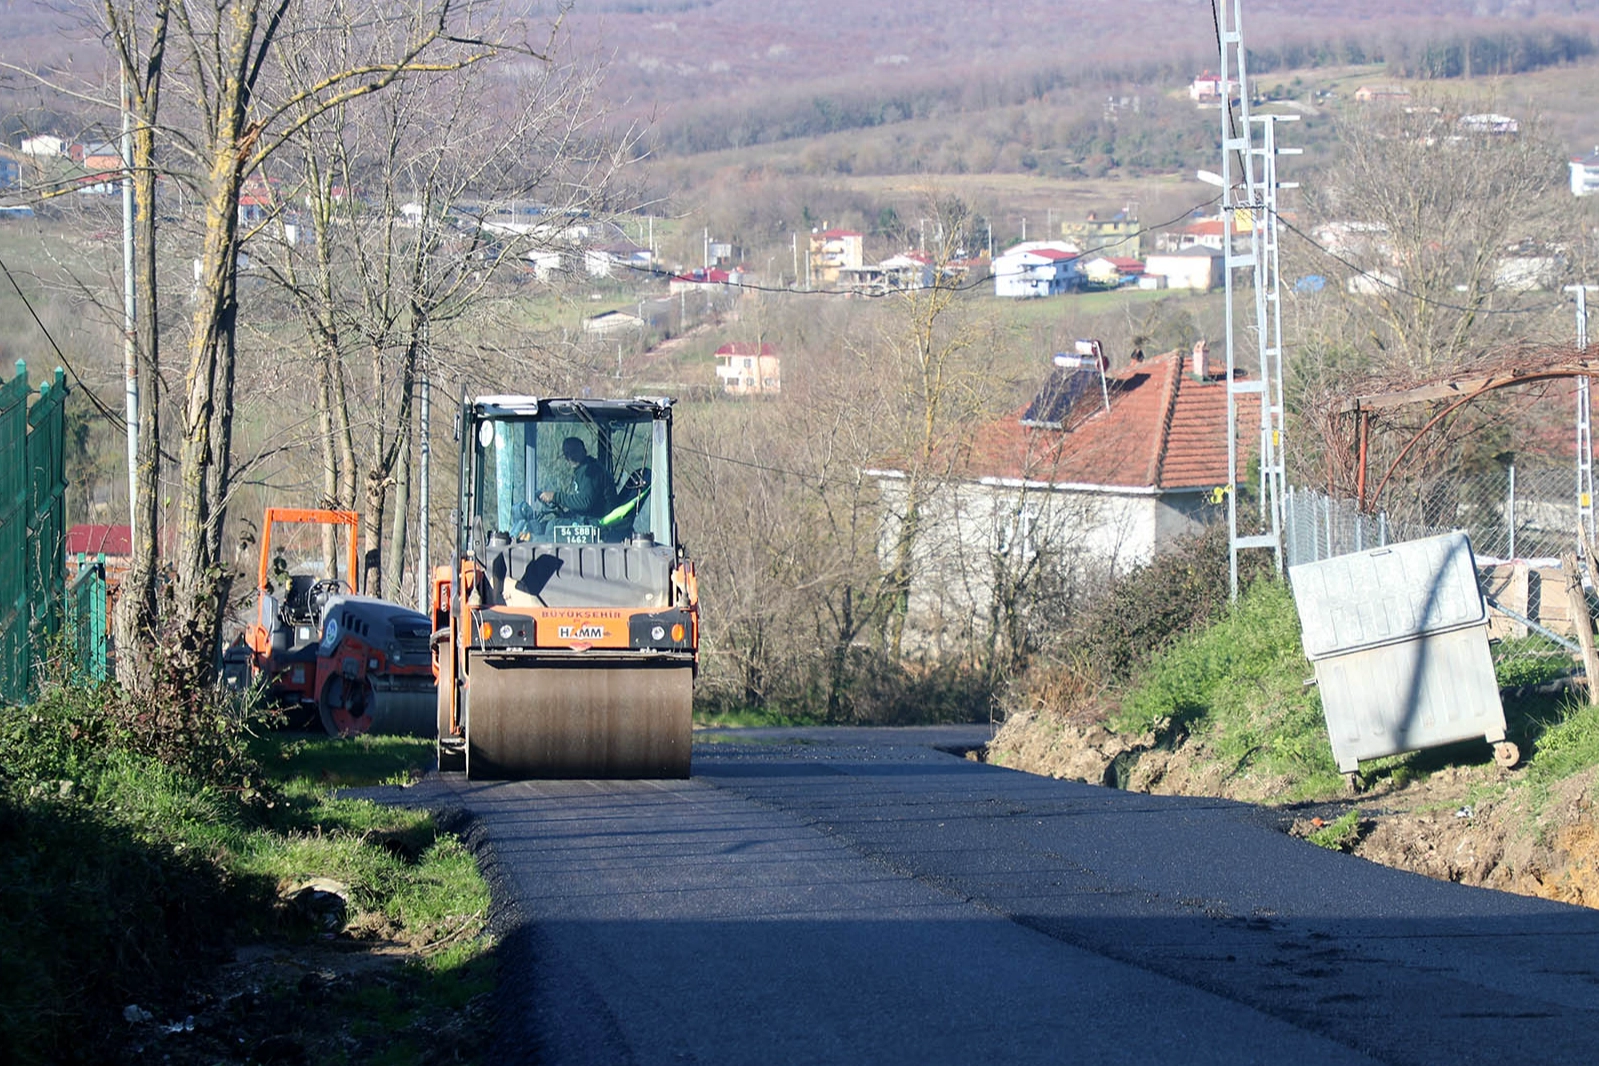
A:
(377, 491)
(394, 561)
(137, 617)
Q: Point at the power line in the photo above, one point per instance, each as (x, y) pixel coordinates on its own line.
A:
(962, 287)
(99, 405)
(1380, 280)
(761, 466)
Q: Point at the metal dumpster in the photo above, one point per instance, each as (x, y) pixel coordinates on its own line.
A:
(1399, 639)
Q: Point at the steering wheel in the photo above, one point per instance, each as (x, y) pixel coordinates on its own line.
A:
(319, 594)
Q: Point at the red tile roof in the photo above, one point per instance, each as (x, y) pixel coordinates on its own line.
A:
(92, 540)
(745, 348)
(1164, 430)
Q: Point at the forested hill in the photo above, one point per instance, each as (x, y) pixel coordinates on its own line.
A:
(730, 73)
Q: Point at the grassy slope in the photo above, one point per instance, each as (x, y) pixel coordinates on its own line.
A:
(1230, 698)
(131, 870)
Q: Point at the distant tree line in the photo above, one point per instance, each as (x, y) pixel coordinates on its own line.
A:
(1475, 53)
(817, 109)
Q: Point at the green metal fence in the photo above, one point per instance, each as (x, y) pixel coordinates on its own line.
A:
(86, 619)
(32, 525)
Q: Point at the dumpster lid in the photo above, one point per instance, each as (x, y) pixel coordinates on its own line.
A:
(1386, 595)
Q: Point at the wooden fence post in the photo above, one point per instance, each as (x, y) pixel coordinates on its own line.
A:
(1583, 622)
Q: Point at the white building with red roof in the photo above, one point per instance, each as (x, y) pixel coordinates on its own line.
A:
(748, 369)
(833, 250)
(1035, 271)
(1111, 269)
(1082, 481)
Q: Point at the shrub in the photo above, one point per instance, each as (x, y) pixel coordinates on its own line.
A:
(112, 896)
(1150, 607)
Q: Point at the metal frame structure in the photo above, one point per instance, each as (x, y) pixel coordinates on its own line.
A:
(1249, 191)
(1585, 517)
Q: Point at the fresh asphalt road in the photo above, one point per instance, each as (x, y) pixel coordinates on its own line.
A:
(860, 896)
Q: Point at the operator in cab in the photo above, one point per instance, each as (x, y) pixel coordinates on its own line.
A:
(587, 496)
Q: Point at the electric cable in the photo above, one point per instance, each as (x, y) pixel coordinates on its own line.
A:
(116, 419)
(964, 286)
(1380, 280)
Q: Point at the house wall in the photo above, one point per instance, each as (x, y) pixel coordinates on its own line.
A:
(1183, 514)
(1584, 178)
(1200, 272)
(978, 540)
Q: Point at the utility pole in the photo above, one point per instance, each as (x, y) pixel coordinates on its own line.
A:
(130, 342)
(793, 246)
(1585, 520)
(1249, 185)
(424, 571)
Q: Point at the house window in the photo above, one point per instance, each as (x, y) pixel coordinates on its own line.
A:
(1014, 534)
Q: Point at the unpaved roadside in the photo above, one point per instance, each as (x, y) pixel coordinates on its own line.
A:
(1472, 824)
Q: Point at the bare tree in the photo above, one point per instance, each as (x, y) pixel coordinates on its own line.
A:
(214, 99)
(1441, 230)
(412, 234)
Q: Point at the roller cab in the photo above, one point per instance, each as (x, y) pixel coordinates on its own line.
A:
(566, 630)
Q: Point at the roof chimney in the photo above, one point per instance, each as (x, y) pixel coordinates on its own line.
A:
(1201, 369)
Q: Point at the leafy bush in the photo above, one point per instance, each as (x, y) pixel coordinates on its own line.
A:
(1155, 604)
(113, 896)
(1530, 661)
(132, 859)
(1567, 746)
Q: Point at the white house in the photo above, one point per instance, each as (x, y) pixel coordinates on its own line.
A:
(1372, 282)
(1037, 272)
(1198, 268)
(1111, 269)
(1585, 174)
(626, 260)
(908, 270)
(544, 262)
(833, 250)
(1067, 485)
(1489, 123)
(43, 144)
(1528, 266)
(1206, 87)
(748, 369)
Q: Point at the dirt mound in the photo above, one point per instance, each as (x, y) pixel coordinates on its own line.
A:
(1440, 825)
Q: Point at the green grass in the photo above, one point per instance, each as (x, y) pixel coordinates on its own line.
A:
(1341, 834)
(753, 717)
(1238, 686)
(1567, 745)
(1235, 690)
(130, 865)
(1530, 661)
(365, 760)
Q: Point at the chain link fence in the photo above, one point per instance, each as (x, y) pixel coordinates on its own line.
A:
(1519, 520)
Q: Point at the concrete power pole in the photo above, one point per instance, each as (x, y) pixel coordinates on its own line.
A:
(1585, 519)
(130, 353)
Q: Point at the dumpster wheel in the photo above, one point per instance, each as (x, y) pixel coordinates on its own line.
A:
(1506, 755)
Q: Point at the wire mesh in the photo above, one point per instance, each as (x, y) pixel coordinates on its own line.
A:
(1520, 521)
